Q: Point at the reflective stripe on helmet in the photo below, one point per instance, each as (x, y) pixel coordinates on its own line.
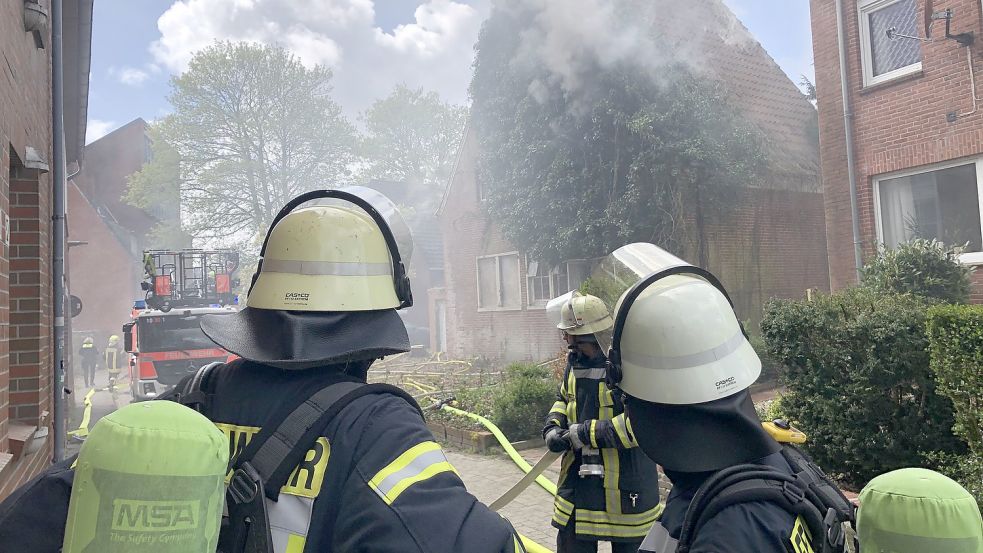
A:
(665, 362)
(322, 268)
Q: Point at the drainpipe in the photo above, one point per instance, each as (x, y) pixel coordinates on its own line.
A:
(848, 131)
(58, 194)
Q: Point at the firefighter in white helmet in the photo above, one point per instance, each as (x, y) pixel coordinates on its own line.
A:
(680, 356)
(608, 489)
(323, 461)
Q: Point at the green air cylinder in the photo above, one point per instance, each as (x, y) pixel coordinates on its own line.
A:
(149, 478)
(918, 511)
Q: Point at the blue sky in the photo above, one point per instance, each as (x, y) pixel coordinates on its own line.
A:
(138, 44)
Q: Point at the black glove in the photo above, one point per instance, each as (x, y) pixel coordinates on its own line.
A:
(557, 441)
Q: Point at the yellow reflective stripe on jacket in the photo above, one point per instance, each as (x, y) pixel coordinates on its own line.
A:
(620, 425)
(572, 394)
(612, 462)
(593, 434)
(562, 509)
(416, 464)
(559, 407)
(602, 524)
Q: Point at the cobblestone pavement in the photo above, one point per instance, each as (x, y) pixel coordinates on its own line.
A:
(489, 476)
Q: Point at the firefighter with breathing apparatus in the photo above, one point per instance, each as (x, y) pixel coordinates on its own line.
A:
(322, 461)
(681, 358)
(608, 489)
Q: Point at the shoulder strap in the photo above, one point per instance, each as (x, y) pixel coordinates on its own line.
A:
(195, 395)
(281, 445)
(747, 483)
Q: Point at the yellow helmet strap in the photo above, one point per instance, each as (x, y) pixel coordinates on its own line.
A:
(401, 280)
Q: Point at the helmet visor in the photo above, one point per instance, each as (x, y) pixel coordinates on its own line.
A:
(619, 271)
(386, 208)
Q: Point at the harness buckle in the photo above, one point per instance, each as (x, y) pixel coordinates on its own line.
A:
(245, 484)
(793, 492)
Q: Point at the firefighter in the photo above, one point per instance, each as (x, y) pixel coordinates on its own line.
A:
(89, 357)
(321, 310)
(681, 358)
(113, 359)
(608, 489)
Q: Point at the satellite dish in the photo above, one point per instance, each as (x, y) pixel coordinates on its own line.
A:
(929, 10)
(76, 306)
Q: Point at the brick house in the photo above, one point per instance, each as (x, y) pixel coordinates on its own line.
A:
(492, 304)
(107, 268)
(26, 348)
(918, 132)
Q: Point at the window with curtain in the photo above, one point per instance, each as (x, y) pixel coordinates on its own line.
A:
(941, 204)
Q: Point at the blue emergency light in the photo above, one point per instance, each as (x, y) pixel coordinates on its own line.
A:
(140, 304)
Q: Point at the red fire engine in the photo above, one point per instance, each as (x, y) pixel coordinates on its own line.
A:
(163, 337)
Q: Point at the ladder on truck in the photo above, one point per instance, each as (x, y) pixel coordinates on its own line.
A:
(189, 278)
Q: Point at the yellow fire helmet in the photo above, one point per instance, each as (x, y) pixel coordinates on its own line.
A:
(329, 281)
(354, 264)
(584, 315)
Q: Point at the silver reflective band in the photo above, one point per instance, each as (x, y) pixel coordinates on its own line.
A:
(319, 268)
(658, 540)
(685, 361)
(416, 466)
(595, 374)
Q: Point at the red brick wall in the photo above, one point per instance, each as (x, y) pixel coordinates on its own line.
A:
(897, 126)
(104, 276)
(25, 309)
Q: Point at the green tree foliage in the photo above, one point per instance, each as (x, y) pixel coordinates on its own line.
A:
(922, 267)
(412, 136)
(252, 128)
(577, 173)
(859, 382)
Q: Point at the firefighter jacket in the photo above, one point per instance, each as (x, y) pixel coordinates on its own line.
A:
(623, 504)
(754, 526)
(374, 481)
(114, 358)
(88, 354)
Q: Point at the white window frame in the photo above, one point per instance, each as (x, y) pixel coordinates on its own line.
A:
(968, 258)
(498, 280)
(864, 9)
(553, 291)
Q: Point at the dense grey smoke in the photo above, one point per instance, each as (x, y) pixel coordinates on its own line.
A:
(572, 39)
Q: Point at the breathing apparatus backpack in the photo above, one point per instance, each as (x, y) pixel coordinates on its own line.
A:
(825, 518)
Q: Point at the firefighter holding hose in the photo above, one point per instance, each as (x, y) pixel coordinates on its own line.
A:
(608, 489)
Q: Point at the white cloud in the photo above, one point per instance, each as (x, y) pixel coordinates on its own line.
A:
(130, 76)
(97, 128)
(434, 51)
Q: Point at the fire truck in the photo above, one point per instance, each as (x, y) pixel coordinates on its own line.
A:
(163, 337)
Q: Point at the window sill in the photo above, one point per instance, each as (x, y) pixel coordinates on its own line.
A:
(497, 309)
(973, 259)
(876, 87)
(537, 306)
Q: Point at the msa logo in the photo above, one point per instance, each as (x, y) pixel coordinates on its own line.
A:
(296, 296)
(726, 383)
(134, 515)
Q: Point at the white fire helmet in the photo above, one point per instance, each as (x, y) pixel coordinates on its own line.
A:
(584, 315)
(675, 339)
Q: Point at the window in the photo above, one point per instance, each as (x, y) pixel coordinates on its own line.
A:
(544, 286)
(885, 58)
(943, 203)
(498, 282)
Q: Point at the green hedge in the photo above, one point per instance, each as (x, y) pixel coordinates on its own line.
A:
(922, 267)
(955, 335)
(520, 405)
(859, 382)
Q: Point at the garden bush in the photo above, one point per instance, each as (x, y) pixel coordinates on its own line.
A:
(859, 382)
(520, 405)
(926, 268)
(955, 334)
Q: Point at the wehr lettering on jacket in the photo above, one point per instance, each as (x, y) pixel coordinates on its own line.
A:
(306, 479)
